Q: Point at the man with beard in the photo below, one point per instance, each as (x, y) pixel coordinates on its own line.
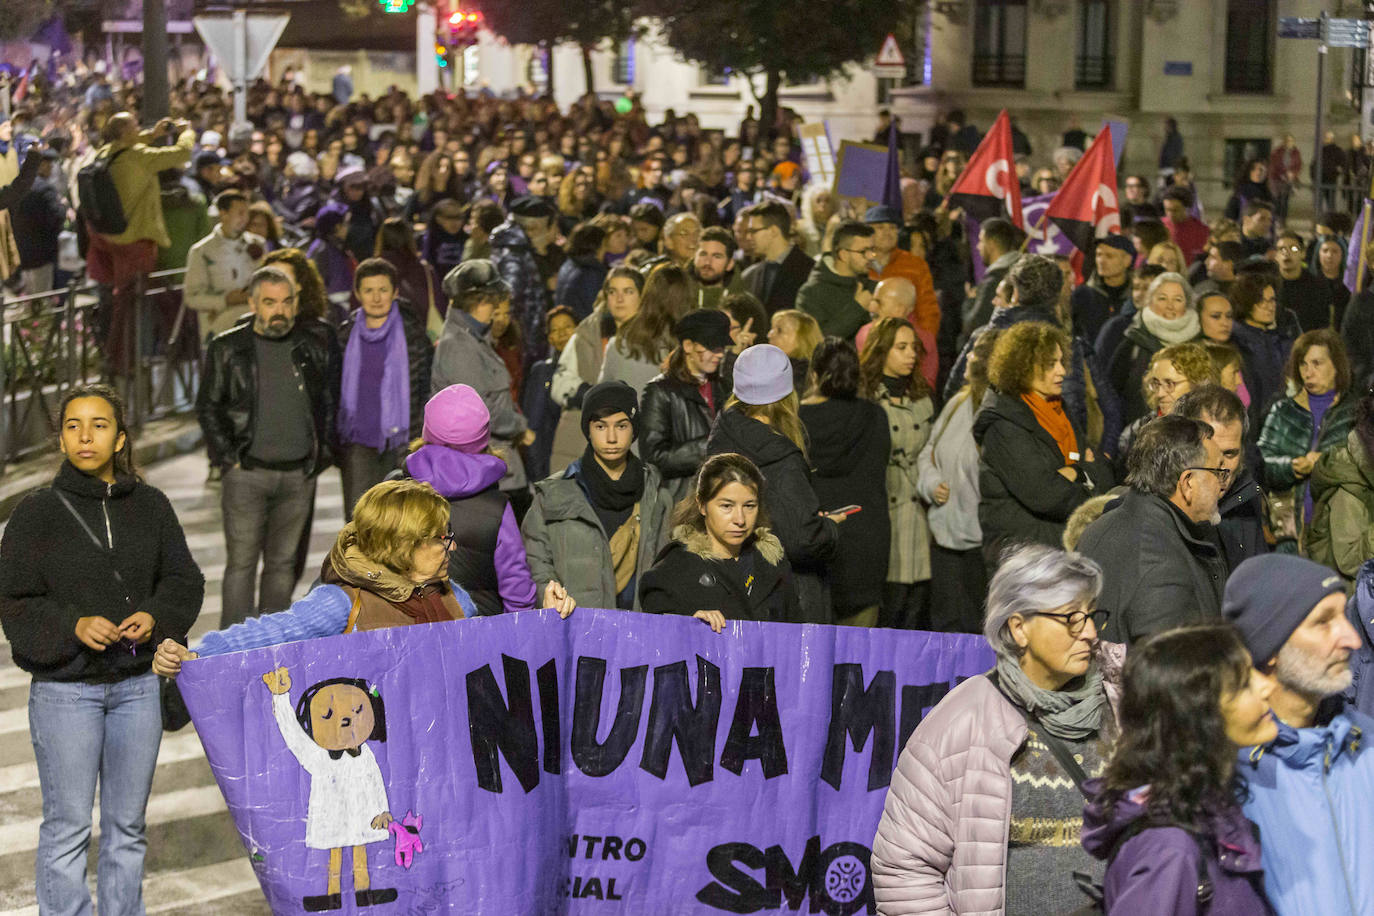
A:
(267, 407)
(1241, 507)
(713, 270)
(1308, 790)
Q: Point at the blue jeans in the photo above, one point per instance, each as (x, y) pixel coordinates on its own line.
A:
(81, 731)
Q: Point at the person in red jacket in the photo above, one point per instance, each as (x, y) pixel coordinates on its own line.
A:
(1189, 233)
(893, 261)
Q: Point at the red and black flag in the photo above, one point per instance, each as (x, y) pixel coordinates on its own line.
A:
(1086, 206)
(988, 187)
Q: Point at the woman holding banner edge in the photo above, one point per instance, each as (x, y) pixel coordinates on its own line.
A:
(722, 563)
(389, 567)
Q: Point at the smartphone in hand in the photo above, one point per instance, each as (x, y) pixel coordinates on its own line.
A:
(847, 510)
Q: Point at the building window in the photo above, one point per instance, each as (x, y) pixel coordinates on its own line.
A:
(1250, 46)
(999, 43)
(623, 66)
(1240, 150)
(1093, 63)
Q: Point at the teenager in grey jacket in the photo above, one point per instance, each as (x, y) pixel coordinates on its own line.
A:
(464, 355)
(598, 524)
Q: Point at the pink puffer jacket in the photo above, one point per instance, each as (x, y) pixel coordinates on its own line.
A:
(941, 845)
(942, 841)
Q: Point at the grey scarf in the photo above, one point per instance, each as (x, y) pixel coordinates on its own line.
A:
(1069, 714)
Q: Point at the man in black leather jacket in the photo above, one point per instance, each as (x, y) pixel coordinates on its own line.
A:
(267, 405)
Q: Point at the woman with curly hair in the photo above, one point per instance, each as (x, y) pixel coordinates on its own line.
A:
(890, 374)
(1166, 814)
(1173, 372)
(1035, 467)
(311, 301)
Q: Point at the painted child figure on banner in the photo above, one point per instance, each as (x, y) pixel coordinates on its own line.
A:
(328, 733)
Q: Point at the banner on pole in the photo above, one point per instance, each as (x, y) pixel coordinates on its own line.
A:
(607, 763)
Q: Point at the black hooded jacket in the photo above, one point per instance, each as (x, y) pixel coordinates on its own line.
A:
(52, 574)
(808, 539)
(849, 445)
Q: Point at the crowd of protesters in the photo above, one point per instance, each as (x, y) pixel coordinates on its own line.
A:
(569, 359)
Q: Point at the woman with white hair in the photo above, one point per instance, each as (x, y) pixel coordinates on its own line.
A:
(984, 811)
(302, 198)
(1168, 319)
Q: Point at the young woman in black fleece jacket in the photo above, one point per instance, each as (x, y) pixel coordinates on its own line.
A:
(94, 571)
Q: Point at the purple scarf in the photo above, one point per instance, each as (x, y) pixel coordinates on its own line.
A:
(394, 429)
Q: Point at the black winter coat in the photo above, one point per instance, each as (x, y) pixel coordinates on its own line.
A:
(686, 578)
(849, 445)
(1126, 372)
(674, 423)
(1157, 573)
(1357, 330)
(229, 393)
(1242, 521)
(808, 539)
(52, 574)
(37, 220)
(792, 273)
(420, 353)
(1024, 497)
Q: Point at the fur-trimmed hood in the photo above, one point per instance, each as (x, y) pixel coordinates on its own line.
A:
(696, 541)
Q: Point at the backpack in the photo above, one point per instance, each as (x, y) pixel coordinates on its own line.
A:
(100, 203)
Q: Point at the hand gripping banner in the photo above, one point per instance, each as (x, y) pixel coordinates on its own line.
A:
(611, 763)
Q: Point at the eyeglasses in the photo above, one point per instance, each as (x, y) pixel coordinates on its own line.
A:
(1292, 249)
(1077, 620)
(751, 230)
(1166, 385)
(450, 539)
(1223, 474)
(865, 251)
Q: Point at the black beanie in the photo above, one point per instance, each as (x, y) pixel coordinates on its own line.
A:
(1269, 596)
(605, 399)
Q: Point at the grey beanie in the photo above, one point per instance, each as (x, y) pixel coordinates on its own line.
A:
(1269, 596)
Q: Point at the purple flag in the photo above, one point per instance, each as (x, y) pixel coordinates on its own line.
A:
(525, 764)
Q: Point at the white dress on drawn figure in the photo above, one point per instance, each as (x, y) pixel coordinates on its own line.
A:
(345, 794)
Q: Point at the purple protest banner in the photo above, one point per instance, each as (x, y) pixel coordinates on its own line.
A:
(613, 762)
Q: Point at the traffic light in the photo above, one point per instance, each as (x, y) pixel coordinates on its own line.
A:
(395, 6)
(463, 28)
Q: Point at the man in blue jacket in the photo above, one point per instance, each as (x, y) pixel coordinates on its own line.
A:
(1309, 789)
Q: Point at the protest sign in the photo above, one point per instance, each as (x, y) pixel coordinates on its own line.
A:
(612, 762)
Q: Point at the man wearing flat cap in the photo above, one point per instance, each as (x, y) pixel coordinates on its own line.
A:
(1309, 790)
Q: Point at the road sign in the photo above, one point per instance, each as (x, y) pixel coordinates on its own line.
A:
(1299, 27)
(242, 42)
(1347, 33)
(890, 64)
(1338, 33)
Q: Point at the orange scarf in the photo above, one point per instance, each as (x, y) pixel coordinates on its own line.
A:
(1051, 417)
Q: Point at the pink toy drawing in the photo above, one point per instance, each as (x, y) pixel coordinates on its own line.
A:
(407, 832)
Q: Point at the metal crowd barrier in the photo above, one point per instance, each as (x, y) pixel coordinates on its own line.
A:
(54, 341)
